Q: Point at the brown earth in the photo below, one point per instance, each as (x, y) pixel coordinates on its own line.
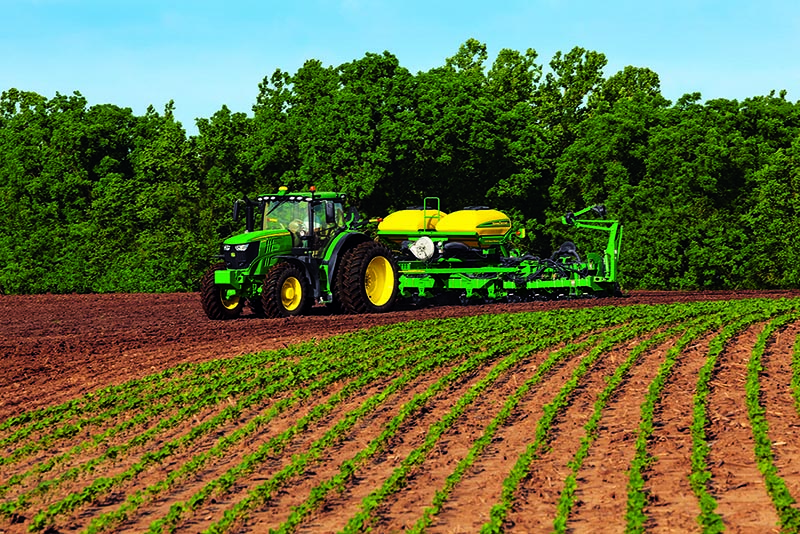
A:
(58, 347)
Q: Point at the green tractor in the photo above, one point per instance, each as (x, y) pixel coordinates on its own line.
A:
(305, 248)
(299, 249)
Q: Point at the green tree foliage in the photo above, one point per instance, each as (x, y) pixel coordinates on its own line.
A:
(769, 218)
(97, 199)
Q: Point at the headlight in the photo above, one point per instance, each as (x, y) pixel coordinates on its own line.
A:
(226, 248)
(241, 248)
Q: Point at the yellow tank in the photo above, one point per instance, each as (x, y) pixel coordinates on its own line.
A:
(480, 227)
(410, 221)
(475, 227)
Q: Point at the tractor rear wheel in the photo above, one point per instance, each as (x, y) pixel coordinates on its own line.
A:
(286, 292)
(367, 279)
(219, 302)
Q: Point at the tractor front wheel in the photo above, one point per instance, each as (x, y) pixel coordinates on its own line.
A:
(367, 279)
(219, 302)
(286, 292)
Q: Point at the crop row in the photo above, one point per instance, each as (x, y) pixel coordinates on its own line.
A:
(222, 441)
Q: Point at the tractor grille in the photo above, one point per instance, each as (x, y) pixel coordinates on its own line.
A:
(239, 259)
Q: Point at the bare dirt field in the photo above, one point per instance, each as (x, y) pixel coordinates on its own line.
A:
(58, 347)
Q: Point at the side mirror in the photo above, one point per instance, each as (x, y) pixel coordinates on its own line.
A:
(330, 213)
(235, 211)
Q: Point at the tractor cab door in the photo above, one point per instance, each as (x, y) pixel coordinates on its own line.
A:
(327, 218)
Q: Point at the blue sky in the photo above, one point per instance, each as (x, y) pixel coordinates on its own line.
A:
(203, 54)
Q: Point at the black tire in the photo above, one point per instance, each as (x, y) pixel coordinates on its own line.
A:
(335, 306)
(286, 292)
(367, 279)
(216, 301)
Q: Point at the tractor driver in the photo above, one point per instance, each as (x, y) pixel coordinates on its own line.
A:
(297, 215)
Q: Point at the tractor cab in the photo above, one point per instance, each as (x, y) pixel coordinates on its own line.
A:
(310, 219)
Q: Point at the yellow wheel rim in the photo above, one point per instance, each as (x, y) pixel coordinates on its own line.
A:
(291, 293)
(229, 301)
(379, 281)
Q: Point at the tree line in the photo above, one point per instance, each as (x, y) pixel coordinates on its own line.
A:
(97, 199)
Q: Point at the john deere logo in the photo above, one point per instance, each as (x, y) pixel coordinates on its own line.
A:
(502, 223)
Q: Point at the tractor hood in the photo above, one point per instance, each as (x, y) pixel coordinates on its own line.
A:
(258, 235)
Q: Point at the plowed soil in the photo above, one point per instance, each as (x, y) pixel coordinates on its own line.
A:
(58, 347)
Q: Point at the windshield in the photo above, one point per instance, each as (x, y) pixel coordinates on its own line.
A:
(286, 215)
